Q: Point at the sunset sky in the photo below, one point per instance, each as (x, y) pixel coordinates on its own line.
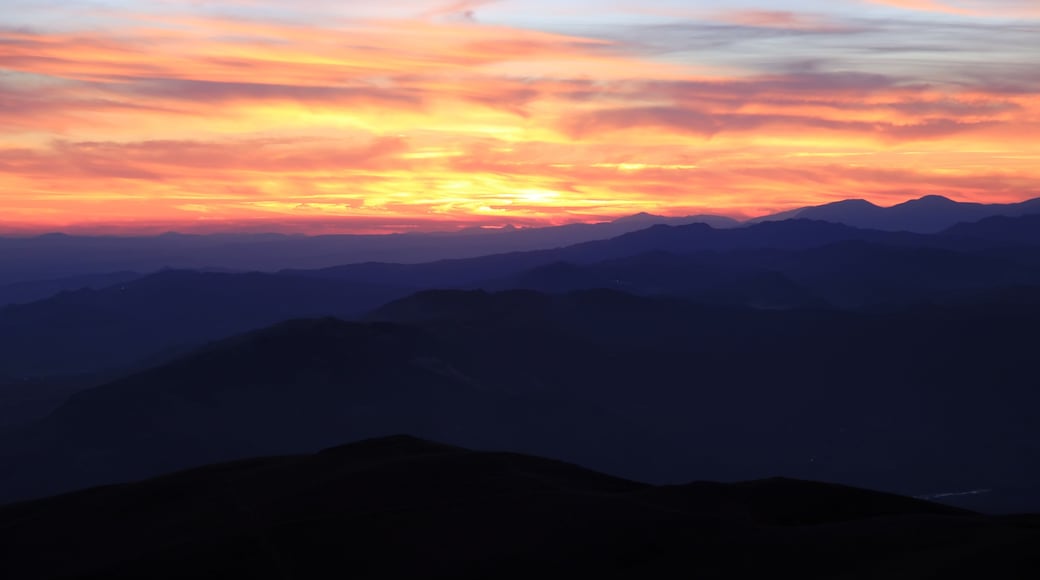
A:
(316, 116)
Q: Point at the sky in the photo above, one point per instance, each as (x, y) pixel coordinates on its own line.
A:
(319, 116)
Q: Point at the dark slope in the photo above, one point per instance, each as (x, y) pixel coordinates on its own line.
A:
(793, 264)
(850, 274)
(122, 325)
(34, 290)
(1023, 231)
(929, 214)
(918, 399)
(857, 274)
(58, 255)
(463, 272)
(405, 508)
(788, 235)
(772, 264)
(26, 400)
(298, 386)
(925, 400)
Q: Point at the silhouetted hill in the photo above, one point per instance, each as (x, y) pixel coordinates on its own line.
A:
(687, 239)
(155, 316)
(60, 256)
(791, 264)
(851, 274)
(643, 220)
(31, 291)
(820, 380)
(1024, 230)
(93, 330)
(929, 214)
(293, 387)
(923, 400)
(857, 274)
(25, 400)
(405, 508)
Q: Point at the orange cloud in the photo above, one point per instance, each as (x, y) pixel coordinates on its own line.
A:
(208, 122)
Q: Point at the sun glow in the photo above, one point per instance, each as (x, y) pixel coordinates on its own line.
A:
(187, 118)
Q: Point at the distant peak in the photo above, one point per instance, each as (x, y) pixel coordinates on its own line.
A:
(853, 203)
(641, 216)
(932, 200)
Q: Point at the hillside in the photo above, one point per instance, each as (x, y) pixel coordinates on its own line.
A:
(400, 507)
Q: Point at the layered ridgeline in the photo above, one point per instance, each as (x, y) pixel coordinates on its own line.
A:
(30, 265)
(929, 214)
(33, 267)
(403, 508)
(929, 400)
(777, 265)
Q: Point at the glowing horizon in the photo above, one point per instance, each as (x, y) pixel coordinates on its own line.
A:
(126, 116)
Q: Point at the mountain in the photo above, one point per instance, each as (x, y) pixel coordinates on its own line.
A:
(687, 239)
(705, 278)
(57, 256)
(88, 331)
(400, 507)
(857, 274)
(293, 387)
(809, 404)
(790, 264)
(34, 290)
(62, 256)
(26, 400)
(1022, 230)
(923, 400)
(929, 214)
(644, 220)
(850, 274)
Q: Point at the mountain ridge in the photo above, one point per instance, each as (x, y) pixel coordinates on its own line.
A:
(402, 507)
(927, 214)
(522, 370)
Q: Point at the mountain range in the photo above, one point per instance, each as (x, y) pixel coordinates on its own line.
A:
(929, 214)
(33, 268)
(58, 259)
(661, 390)
(400, 507)
(894, 360)
(789, 264)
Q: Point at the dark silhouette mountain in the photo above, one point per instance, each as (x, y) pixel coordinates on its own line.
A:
(293, 387)
(92, 330)
(788, 235)
(705, 278)
(161, 314)
(850, 274)
(926, 400)
(1023, 230)
(400, 507)
(61, 256)
(857, 274)
(929, 214)
(644, 220)
(25, 400)
(821, 381)
(792, 264)
(32, 291)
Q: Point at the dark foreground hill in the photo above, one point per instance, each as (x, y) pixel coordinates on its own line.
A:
(921, 401)
(405, 508)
